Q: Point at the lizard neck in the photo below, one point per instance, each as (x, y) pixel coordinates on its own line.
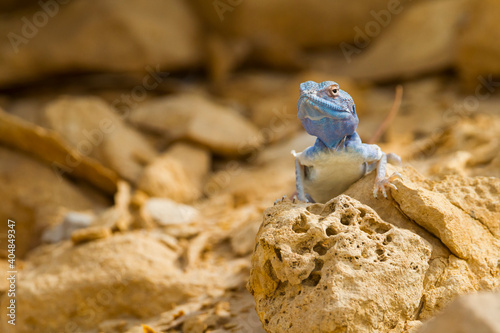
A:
(323, 146)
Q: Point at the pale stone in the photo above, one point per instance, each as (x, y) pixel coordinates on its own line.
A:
(50, 147)
(166, 177)
(167, 212)
(468, 314)
(243, 238)
(96, 130)
(280, 33)
(90, 234)
(72, 221)
(127, 275)
(36, 197)
(479, 197)
(398, 50)
(466, 237)
(478, 50)
(195, 161)
(118, 216)
(110, 35)
(196, 118)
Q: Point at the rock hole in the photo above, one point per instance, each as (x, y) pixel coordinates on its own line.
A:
(266, 321)
(281, 287)
(387, 239)
(315, 276)
(304, 250)
(300, 225)
(346, 219)
(312, 280)
(379, 252)
(320, 248)
(268, 268)
(278, 254)
(366, 230)
(382, 228)
(318, 265)
(330, 231)
(362, 213)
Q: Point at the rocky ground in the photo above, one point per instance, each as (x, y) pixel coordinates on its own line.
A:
(142, 177)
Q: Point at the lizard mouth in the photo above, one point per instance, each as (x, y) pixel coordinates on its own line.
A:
(319, 105)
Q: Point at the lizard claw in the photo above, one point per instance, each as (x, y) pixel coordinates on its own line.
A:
(383, 184)
(283, 198)
(394, 176)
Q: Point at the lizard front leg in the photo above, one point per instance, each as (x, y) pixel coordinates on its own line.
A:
(381, 183)
(299, 178)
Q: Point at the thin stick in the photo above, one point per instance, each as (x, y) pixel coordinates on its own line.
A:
(390, 117)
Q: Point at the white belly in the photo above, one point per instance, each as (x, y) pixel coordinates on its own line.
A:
(332, 174)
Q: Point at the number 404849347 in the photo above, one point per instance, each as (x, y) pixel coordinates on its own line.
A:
(11, 247)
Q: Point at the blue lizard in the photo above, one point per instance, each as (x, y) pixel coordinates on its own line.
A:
(338, 158)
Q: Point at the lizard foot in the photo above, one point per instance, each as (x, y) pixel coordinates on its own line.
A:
(307, 199)
(383, 184)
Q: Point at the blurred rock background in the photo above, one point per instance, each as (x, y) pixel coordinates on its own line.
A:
(141, 142)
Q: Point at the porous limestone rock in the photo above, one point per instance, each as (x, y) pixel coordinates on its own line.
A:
(474, 263)
(455, 218)
(476, 196)
(335, 267)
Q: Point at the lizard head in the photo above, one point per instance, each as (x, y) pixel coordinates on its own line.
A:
(326, 111)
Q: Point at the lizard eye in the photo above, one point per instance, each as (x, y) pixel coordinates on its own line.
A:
(334, 91)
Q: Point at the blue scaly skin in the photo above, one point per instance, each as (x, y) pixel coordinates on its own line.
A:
(338, 158)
